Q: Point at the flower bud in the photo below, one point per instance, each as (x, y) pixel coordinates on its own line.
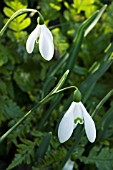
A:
(77, 96)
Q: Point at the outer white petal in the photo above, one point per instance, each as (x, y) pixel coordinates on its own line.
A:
(47, 31)
(69, 165)
(89, 125)
(32, 38)
(66, 125)
(78, 112)
(46, 46)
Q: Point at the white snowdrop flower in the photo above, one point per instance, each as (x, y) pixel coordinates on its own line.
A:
(43, 36)
(69, 165)
(74, 115)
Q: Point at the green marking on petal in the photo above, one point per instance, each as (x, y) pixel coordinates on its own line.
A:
(78, 119)
(37, 40)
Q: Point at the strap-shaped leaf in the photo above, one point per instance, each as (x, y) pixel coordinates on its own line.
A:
(94, 76)
(90, 27)
(88, 24)
(44, 145)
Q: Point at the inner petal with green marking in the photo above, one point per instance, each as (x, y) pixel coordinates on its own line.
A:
(37, 40)
(78, 120)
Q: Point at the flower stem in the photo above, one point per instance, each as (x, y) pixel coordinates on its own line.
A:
(15, 15)
(54, 91)
(21, 120)
(67, 88)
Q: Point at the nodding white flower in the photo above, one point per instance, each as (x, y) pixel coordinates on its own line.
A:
(43, 36)
(69, 165)
(74, 115)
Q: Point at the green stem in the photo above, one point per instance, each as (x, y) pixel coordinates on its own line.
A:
(21, 120)
(17, 124)
(15, 15)
(45, 116)
(67, 88)
(80, 134)
(54, 91)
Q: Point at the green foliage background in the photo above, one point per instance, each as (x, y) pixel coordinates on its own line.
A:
(25, 79)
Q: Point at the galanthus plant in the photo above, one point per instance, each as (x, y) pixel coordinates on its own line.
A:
(76, 113)
(34, 139)
(42, 35)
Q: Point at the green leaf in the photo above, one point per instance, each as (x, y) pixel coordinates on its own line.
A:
(19, 26)
(103, 158)
(12, 110)
(51, 159)
(44, 146)
(87, 6)
(4, 55)
(105, 123)
(15, 5)
(9, 108)
(25, 154)
(95, 20)
(8, 12)
(74, 50)
(24, 24)
(101, 103)
(95, 74)
(26, 78)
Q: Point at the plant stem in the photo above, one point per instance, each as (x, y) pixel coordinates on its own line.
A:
(20, 121)
(54, 91)
(15, 15)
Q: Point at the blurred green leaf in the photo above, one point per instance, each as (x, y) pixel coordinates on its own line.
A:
(87, 6)
(26, 78)
(101, 157)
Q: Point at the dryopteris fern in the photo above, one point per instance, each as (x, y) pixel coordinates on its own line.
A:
(9, 109)
(25, 153)
(19, 23)
(30, 152)
(51, 159)
(101, 157)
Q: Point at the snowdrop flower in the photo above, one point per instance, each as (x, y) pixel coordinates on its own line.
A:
(74, 115)
(43, 36)
(69, 165)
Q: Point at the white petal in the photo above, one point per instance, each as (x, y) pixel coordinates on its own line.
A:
(46, 31)
(69, 165)
(66, 125)
(46, 46)
(89, 125)
(32, 38)
(78, 113)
